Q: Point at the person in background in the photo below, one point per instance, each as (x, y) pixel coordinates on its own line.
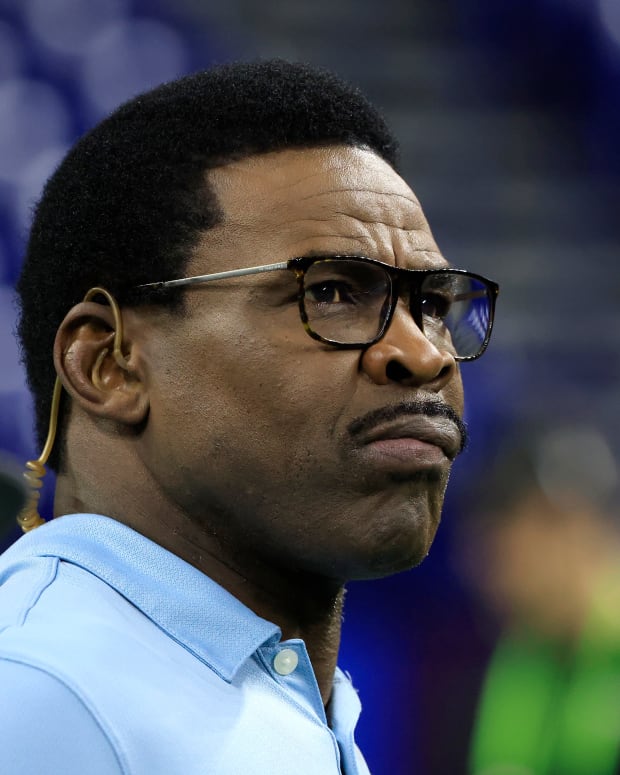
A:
(543, 554)
(234, 306)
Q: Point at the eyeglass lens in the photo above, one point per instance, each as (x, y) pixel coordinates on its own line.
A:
(347, 302)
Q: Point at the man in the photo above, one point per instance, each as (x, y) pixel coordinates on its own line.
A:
(232, 449)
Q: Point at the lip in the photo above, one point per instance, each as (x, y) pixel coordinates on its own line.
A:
(417, 437)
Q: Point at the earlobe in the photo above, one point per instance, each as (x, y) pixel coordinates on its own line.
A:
(93, 372)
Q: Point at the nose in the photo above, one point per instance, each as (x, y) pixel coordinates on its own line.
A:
(405, 355)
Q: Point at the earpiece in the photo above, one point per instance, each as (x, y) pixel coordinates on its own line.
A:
(29, 517)
(96, 376)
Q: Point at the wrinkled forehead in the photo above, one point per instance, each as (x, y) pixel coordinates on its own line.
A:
(346, 195)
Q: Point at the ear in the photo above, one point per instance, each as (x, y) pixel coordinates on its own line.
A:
(103, 385)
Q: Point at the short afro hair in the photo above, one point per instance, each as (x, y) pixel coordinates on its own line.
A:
(131, 198)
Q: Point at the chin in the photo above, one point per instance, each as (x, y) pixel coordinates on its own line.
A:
(397, 546)
(388, 564)
(404, 529)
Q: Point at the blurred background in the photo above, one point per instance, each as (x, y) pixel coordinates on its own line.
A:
(509, 118)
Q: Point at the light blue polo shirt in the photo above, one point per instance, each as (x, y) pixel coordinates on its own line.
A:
(116, 656)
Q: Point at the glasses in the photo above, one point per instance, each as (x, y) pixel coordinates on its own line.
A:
(349, 301)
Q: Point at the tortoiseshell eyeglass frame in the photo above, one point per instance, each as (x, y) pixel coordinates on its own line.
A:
(397, 278)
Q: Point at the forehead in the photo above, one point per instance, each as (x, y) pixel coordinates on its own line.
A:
(337, 199)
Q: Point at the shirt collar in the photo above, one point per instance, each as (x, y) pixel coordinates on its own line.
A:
(190, 607)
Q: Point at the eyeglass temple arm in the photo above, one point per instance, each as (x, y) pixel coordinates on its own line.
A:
(204, 278)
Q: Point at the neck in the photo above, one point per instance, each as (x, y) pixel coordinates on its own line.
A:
(303, 605)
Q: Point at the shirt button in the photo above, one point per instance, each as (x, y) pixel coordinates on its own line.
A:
(285, 661)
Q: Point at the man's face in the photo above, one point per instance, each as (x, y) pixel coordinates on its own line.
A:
(268, 439)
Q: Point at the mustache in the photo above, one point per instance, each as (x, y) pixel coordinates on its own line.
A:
(406, 409)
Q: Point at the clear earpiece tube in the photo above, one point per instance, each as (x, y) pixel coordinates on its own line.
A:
(29, 516)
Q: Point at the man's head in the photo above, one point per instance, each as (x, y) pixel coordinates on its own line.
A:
(129, 202)
(225, 424)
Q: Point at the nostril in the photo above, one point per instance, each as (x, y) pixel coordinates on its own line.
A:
(396, 372)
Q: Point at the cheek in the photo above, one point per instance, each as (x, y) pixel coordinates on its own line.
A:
(280, 398)
(454, 393)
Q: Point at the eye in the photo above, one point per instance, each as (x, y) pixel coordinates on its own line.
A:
(330, 292)
(436, 305)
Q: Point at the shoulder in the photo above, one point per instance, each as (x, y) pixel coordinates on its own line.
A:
(47, 724)
(37, 709)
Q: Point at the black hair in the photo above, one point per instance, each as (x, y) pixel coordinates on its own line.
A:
(131, 198)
